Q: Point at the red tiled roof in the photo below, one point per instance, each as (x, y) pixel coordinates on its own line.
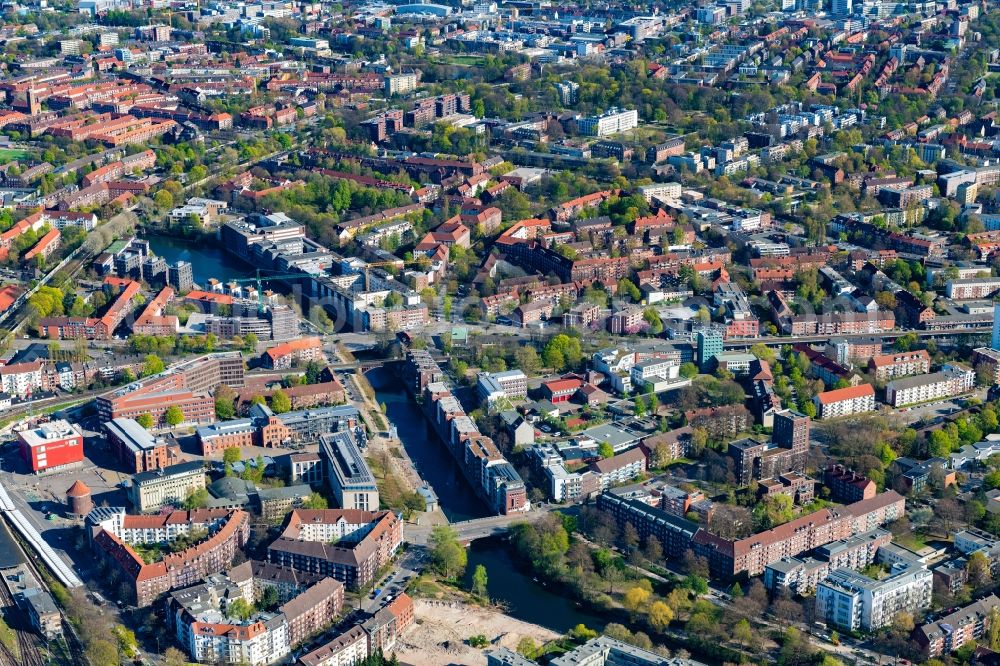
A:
(849, 393)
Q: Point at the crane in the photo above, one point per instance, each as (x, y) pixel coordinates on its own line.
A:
(376, 264)
(258, 280)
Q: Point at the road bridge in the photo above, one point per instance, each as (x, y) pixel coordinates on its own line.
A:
(476, 528)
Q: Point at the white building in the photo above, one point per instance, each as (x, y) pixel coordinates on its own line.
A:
(978, 452)
(664, 191)
(855, 602)
(612, 121)
(845, 402)
(500, 385)
(348, 474)
(20, 379)
(953, 380)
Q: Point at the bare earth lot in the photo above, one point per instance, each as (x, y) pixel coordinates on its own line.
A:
(438, 636)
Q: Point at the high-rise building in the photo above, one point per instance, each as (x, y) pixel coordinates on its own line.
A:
(842, 7)
(400, 84)
(995, 343)
(791, 431)
(284, 322)
(709, 346)
(180, 276)
(568, 92)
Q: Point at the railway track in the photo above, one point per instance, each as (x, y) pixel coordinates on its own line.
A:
(27, 641)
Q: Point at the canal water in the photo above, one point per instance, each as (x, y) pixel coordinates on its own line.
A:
(428, 453)
(10, 554)
(511, 583)
(208, 260)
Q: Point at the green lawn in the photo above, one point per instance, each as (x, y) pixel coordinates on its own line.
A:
(11, 154)
(461, 59)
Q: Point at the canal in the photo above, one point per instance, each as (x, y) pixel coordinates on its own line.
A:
(10, 554)
(208, 260)
(428, 453)
(511, 583)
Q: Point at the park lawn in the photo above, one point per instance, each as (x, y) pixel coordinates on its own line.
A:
(461, 60)
(11, 154)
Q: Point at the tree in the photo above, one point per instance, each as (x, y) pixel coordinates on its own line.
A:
(269, 598)
(605, 450)
(660, 615)
(315, 501)
(688, 370)
(581, 633)
(653, 551)
(102, 651)
(978, 568)
(174, 657)
(527, 648)
(232, 454)
(224, 407)
(163, 200)
(173, 416)
(239, 609)
(448, 557)
(153, 365)
(763, 352)
(145, 420)
(479, 581)
(994, 635)
(696, 584)
(196, 499)
(127, 645)
(635, 598)
(280, 402)
(743, 633)
(527, 359)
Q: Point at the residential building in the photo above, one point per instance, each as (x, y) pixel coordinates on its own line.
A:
(848, 486)
(674, 533)
(600, 651)
(953, 380)
(854, 602)
(901, 364)
(845, 402)
(351, 481)
(346, 544)
(612, 121)
(751, 555)
(114, 532)
(970, 288)
(203, 626)
(803, 575)
(287, 354)
(379, 633)
(620, 468)
(400, 84)
(21, 379)
(152, 490)
(950, 632)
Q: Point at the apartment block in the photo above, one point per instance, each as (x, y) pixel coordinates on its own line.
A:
(845, 402)
(953, 380)
(348, 474)
(855, 602)
(888, 366)
(947, 634)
